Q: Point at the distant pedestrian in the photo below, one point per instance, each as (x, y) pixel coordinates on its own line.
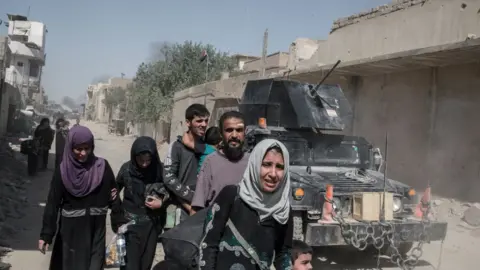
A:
(82, 190)
(61, 135)
(43, 138)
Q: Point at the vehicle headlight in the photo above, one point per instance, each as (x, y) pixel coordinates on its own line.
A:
(397, 204)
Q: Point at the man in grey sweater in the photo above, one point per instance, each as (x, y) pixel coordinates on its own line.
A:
(226, 165)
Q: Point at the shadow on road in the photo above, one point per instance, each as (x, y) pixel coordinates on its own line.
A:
(356, 260)
(28, 227)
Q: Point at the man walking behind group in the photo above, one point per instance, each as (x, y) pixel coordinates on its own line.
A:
(181, 164)
(226, 165)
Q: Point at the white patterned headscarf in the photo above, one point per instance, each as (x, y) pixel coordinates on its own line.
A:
(276, 204)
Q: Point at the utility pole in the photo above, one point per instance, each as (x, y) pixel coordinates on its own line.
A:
(206, 72)
(264, 52)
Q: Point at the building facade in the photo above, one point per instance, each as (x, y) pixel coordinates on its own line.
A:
(95, 108)
(27, 46)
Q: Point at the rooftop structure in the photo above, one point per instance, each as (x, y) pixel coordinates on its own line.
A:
(27, 46)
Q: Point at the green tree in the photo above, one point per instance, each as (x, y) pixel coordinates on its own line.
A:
(114, 97)
(177, 66)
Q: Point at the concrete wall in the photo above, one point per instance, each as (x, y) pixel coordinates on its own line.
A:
(400, 27)
(279, 59)
(242, 59)
(431, 116)
(160, 130)
(302, 49)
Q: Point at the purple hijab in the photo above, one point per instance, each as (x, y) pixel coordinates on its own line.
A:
(80, 179)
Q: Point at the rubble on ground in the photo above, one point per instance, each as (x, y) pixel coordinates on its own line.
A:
(457, 213)
(12, 194)
(472, 216)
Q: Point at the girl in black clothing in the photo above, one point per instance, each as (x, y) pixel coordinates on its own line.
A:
(255, 216)
(81, 191)
(142, 179)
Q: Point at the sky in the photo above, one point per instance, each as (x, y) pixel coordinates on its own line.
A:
(88, 39)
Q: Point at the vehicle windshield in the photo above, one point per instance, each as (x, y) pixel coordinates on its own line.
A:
(340, 153)
(327, 150)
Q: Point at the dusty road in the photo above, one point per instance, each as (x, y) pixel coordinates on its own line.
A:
(460, 250)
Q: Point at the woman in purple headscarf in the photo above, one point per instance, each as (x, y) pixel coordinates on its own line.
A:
(82, 190)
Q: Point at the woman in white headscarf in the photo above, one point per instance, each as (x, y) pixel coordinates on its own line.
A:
(250, 226)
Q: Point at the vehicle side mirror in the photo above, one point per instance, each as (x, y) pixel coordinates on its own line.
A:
(377, 158)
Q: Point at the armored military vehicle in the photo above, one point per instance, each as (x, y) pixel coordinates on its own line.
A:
(370, 211)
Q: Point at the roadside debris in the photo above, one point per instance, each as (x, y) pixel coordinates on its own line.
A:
(472, 216)
(12, 195)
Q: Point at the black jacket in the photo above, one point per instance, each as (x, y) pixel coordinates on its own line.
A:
(181, 171)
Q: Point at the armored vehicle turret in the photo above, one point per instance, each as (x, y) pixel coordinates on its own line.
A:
(295, 105)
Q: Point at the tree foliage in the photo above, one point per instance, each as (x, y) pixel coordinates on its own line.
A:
(115, 96)
(176, 67)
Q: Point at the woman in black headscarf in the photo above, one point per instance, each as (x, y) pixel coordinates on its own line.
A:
(142, 179)
(42, 142)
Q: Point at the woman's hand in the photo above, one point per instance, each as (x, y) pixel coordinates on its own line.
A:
(42, 246)
(153, 202)
(113, 194)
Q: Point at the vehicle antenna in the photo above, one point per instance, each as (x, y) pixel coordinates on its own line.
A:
(382, 214)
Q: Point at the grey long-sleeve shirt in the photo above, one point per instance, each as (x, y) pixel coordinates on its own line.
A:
(217, 172)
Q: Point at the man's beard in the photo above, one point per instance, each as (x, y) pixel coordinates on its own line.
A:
(233, 153)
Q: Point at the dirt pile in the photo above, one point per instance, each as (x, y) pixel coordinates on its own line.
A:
(13, 201)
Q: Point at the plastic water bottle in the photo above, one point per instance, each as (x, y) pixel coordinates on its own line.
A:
(121, 249)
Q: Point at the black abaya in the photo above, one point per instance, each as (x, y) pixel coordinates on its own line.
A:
(141, 240)
(80, 238)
